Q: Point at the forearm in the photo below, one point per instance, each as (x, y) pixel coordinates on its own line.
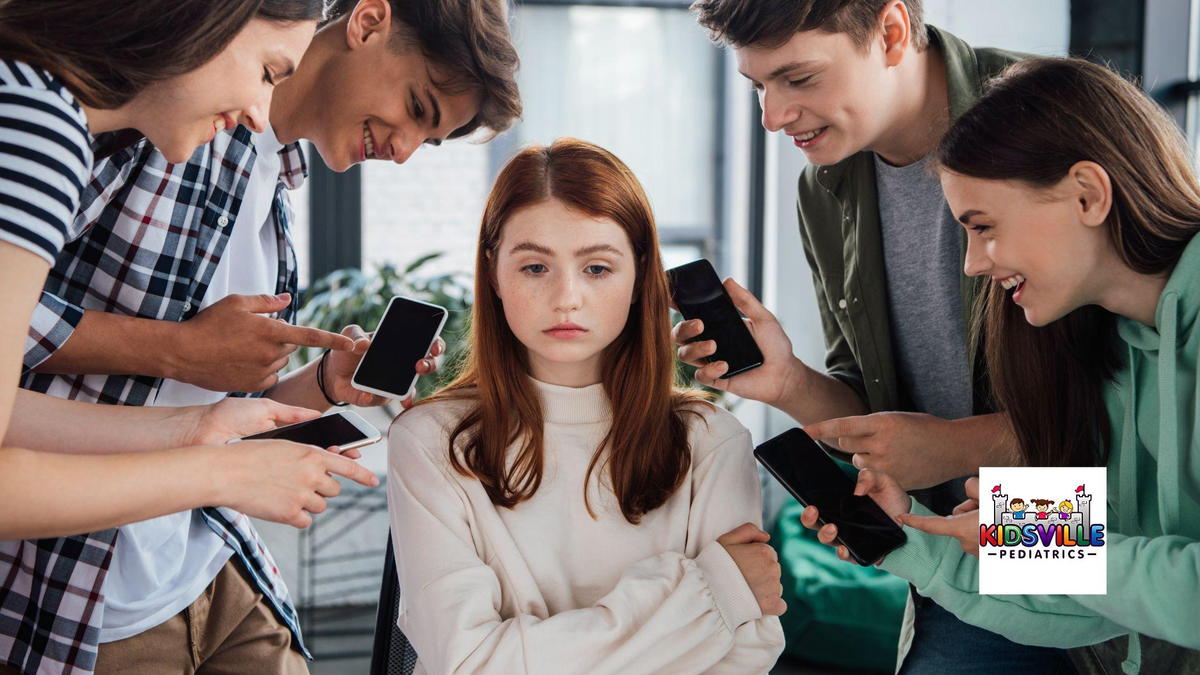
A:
(756, 647)
(1153, 587)
(982, 440)
(112, 344)
(24, 274)
(813, 396)
(938, 568)
(668, 612)
(50, 424)
(661, 615)
(46, 494)
(299, 388)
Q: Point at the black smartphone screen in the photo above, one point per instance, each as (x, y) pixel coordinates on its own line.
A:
(403, 337)
(801, 466)
(699, 294)
(322, 432)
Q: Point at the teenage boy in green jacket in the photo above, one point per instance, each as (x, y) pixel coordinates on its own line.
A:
(866, 90)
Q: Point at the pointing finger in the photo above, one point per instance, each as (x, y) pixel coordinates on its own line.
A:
(858, 425)
(314, 337)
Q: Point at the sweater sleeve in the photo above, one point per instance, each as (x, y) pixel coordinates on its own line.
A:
(1152, 589)
(664, 613)
(726, 493)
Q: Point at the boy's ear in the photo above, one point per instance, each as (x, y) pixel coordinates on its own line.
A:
(897, 32)
(369, 20)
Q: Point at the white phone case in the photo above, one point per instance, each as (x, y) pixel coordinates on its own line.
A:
(372, 435)
(391, 394)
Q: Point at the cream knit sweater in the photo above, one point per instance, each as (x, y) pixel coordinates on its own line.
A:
(544, 587)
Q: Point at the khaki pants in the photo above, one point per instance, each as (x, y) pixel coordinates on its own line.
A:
(228, 629)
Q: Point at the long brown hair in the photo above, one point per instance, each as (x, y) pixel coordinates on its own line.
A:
(1035, 122)
(107, 53)
(647, 447)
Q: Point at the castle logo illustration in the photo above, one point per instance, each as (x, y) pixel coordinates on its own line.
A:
(1044, 532)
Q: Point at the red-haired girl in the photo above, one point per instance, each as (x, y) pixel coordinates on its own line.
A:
(562, 506)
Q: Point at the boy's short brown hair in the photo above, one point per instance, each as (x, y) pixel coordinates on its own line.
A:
(471, 42)
(770, 23)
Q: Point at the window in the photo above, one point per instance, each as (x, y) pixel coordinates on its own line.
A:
(644, 83)
(430, 203)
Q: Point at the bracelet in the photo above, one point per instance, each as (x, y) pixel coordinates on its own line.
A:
(321, 381)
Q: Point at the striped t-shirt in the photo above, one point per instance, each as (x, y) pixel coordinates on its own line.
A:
(45, 157)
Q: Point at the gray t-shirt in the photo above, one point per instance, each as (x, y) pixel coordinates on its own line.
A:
(923, 265)
(922, 261)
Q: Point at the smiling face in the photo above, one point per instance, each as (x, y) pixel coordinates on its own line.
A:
(1046, 246)
(235, 87)
(566, 281)
(377, 101)
(822, 90)
(833, 96)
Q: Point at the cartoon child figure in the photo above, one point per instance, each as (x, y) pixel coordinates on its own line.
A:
(1064, 510)
(1017, 506)
(1043, 508)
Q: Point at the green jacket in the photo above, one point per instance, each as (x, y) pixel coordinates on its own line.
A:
(838, 209)
(1153, 405)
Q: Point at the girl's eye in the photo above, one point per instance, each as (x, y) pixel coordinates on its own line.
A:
(535, 268)
(980, 229)
(597, 270)
(267, 76)
(418, 111)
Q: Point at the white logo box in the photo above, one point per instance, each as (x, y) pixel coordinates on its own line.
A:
(1041, 569)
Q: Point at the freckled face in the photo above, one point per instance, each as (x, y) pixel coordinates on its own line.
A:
(566, 280)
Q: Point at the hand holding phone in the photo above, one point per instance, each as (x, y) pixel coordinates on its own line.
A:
(232, 418)
(280, 481)
(698, 293)
(343, 429)
(814, 479)
(406, 333)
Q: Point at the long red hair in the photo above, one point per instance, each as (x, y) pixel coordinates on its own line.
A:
(648, 453)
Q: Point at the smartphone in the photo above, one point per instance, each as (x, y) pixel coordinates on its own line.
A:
(699, 294)
(343, 428)
(813, 478)
(404, 336)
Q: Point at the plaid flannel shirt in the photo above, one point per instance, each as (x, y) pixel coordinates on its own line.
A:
(152, 236)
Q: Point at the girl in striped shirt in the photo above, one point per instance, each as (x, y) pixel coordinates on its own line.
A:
(178, 72)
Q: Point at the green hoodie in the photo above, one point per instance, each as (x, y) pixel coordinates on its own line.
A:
(1153, 504)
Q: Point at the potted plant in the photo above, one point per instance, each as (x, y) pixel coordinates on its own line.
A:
(353, 296)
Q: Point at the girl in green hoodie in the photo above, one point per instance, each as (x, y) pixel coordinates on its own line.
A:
(1081, 207)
